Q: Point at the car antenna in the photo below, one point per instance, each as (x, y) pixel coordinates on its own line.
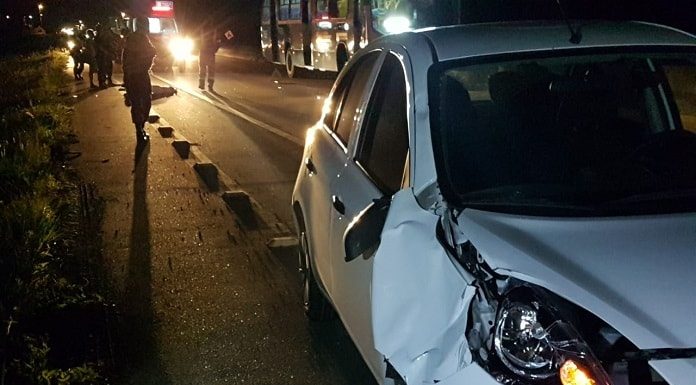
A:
(575, 34)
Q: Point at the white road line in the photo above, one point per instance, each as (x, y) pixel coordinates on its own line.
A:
(234, 111)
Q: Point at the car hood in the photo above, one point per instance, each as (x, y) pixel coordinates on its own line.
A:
(638, 274)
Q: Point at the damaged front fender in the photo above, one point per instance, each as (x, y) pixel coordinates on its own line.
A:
(420, 297)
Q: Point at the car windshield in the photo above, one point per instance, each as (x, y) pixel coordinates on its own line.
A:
(601, 134)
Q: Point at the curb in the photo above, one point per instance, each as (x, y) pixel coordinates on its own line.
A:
(217, 180)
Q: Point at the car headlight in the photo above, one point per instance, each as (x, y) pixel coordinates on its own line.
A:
(322, 44)
(534, 344)
(181, 48)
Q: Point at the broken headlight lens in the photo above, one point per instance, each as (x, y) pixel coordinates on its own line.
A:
(535, 345)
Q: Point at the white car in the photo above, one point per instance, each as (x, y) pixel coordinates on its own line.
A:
(509, 204)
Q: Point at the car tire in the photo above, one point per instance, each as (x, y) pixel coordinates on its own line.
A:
(316, 306)
(289, 64)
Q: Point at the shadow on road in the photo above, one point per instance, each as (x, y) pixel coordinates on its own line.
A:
(219, 97)
(141, 356)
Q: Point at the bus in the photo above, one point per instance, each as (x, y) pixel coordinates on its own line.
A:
(324, 34)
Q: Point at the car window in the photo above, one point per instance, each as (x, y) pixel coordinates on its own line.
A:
(583, 134)
(682, 79)
(384, 139)
(350, 108)
(347, 96)
(334, 103)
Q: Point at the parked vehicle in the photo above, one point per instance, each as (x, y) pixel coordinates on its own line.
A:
(509, 203)
(324, 34)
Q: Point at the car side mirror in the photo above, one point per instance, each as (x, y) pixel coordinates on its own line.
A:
(364, 233)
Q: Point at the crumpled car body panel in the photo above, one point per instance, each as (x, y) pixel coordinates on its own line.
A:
(420, 299)
(635, 273)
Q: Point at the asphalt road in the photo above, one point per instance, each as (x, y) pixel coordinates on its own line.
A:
(252, 127)
(262, 149)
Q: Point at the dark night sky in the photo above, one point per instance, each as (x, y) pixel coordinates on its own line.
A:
(242, 16)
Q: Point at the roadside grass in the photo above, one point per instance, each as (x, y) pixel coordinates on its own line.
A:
(51, 311)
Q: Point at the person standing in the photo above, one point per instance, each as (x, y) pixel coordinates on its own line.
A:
(90, 56)
(120, 43)
(138, 54)
(105, 52)
(206, 58)
(77, 54)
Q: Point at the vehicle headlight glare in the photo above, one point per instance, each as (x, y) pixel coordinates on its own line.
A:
(396, 24)
(181, 48)
(325, 24)
(71, 45)
(322, 44)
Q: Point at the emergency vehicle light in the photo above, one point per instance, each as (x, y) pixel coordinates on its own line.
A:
(162, 9)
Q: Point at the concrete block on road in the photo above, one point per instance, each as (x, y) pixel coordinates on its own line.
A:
(237, 200)
(153, 118)
(240, 202)
(209, 173)
(165, 131)
(278, 242)
(182, 147)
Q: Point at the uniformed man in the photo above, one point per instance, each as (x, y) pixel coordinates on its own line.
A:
(138, 54)
(206, 58)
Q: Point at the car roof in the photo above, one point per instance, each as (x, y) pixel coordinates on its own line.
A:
(497, 38)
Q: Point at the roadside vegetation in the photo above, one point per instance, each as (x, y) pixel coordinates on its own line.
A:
(52, 317)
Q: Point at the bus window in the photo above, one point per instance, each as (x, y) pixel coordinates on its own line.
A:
(332, 8)
(284, 10)
(266, 11)
(342, 8)
(295, 10)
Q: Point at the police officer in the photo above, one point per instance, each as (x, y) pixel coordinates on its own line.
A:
(206, 58)
(138, 54)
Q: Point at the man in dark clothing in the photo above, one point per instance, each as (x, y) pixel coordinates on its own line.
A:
(105, 46)
(77, 54)
(89, 56)
(206, 58)
(138, 54)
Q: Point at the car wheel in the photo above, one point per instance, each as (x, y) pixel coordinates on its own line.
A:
(289, 65)
(316, 306)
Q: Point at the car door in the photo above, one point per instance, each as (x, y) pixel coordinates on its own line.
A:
(375, 169)
(324, 161)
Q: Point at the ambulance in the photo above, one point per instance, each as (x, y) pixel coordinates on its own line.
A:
(173, 49)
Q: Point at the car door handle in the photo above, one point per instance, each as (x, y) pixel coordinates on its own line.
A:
(310, 166)
(338, 205)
